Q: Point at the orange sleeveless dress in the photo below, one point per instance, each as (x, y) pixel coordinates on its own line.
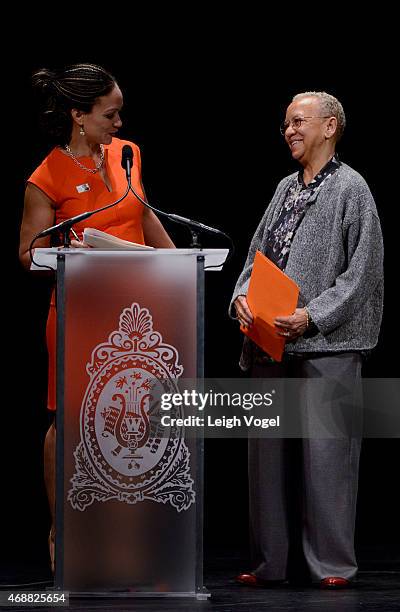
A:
(73, 191)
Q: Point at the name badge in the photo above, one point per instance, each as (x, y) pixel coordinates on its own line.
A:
(82, 188)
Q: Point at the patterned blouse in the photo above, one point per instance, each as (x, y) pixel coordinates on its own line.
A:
(281, 233)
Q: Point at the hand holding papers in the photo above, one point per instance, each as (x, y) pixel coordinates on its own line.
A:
(271, 294)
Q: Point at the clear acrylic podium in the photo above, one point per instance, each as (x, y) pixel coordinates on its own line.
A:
(129, 509)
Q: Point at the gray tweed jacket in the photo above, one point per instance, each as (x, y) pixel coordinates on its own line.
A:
(336, 258)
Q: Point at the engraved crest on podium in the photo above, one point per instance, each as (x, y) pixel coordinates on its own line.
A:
(124, 452)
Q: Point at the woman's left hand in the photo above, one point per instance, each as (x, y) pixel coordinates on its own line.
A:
(294, 326)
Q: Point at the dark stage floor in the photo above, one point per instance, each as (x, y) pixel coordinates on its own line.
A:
(374, 590)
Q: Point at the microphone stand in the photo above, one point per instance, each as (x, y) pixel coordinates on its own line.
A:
(65, 237)
(195, 244)
(65, 227)
(195, 227)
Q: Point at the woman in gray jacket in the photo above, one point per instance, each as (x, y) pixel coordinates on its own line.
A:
(322, 229)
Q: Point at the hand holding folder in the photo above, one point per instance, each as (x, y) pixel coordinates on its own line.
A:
(271, 294)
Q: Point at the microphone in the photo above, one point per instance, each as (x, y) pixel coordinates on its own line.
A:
(68, 223)
(127, 161)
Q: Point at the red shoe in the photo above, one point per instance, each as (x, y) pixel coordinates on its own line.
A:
(253, 581)
(334, 582)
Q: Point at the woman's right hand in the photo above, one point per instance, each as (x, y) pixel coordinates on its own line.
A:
(77, 244)
(243, 311)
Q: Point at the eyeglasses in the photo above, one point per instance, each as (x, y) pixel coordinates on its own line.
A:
(297, 122)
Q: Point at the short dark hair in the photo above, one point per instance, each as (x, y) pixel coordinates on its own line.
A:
(76, 86)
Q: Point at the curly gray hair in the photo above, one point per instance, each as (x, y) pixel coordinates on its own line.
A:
(329, 106)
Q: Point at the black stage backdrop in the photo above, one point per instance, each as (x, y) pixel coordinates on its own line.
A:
(207, 123)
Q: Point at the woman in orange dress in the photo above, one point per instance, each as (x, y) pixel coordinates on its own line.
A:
(82, 105)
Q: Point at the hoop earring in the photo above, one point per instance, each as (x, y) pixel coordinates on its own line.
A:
(81, 131)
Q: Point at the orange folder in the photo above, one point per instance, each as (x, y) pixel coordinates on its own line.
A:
(271, 294)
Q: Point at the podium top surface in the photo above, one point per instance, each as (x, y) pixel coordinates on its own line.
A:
(48, 256)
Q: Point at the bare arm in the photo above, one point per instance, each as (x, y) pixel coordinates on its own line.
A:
(154, 233)
(38, 214)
